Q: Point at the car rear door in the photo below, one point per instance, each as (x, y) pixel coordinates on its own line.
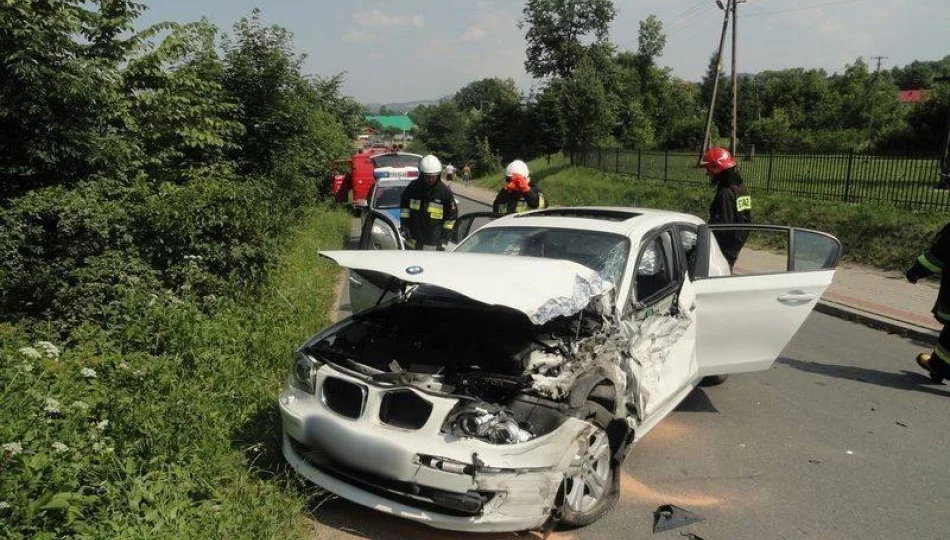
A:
(746, 319)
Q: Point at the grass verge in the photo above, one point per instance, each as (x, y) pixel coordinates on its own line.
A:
(876, 235)
(167, 428)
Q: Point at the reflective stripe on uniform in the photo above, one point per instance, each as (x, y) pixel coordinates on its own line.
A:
(542, 202)
(521, 206)
(410, 243)
(435, 212)
(502, 209)
(449, 225)
(404, 212)
(744, 203)
(415, 204)
(943, 315)
(929, 264)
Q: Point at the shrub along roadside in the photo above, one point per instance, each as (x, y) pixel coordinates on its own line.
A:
(880, 236)
(112, 439)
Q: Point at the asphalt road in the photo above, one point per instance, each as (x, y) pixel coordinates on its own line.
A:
(843, 438)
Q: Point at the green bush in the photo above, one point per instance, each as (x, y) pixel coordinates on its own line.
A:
(163, 426)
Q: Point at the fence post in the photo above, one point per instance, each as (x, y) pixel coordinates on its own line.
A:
(617, 164)
(768, 175)
(639, 160)
(666, 163)
(847, 178)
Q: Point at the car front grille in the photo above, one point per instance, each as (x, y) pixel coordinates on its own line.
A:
(404, 409)
(344, 397)
(423, 497)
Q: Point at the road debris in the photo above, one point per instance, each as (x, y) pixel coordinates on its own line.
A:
(901, 424)
(815, 461)
(668, 517)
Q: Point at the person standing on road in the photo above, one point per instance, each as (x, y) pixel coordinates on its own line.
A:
(450, 172)
(732, 203)
(427, 208)
(467, 173)
(933, 261)
(518, 195)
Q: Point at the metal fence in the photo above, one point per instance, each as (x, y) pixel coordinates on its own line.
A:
(909, 182)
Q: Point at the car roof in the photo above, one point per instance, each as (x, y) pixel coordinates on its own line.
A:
(612, 219)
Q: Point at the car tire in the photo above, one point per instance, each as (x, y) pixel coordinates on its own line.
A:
(580, 502)
(713, 380)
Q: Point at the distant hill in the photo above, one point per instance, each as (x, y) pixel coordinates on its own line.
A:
(373, 108)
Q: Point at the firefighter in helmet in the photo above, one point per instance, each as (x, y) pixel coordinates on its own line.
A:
(427, 209)
(731, 204)
(518, 195)
(934, 261)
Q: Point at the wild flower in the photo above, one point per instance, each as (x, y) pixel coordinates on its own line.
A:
(11, 449)
(59, 447)
(27, 368)
(101, 426)
(52, 351)
(80, 406)
(123, 365)
(88, 373)
(51, 406)
(31, 353)
(4, 505)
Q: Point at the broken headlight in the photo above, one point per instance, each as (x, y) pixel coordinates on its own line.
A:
(304, 372)
(488, 423)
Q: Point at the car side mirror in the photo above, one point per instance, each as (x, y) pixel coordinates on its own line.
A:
(700, 266)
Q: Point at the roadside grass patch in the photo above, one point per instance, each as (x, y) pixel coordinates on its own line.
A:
(167, 429)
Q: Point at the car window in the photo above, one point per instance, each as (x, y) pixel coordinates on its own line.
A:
(688, 238)
(387, 196)
(396, 160)
(654, 267)
(603, 252)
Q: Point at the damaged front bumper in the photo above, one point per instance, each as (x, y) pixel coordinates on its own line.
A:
(424, 474)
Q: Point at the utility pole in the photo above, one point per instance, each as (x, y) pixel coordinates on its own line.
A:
(871, 89)
(712, 99)
(735, 75)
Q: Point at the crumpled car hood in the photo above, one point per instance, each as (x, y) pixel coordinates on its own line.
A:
(542, 289)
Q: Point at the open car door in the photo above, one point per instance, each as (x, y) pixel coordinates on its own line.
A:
(467, 224)
(367, 288)
(746, 319)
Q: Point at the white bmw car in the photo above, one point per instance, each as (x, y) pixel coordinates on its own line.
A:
(499, 386)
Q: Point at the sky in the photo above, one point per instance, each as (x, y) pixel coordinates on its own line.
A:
(427, 49)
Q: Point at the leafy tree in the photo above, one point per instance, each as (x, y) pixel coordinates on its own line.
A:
(443, 131)
(650, 38)
(557, 31)
(586, 113)
(547, 136)
(486, 93)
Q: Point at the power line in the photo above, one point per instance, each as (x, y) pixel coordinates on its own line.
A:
(803, 8)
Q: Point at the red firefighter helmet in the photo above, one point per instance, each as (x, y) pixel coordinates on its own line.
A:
(716, 160)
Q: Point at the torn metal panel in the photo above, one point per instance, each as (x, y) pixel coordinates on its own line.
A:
(632, 353)
(587, 286)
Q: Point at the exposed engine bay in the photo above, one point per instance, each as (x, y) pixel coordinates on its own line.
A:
(514, 378)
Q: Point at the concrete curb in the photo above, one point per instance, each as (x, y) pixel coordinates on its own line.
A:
(849, 313)
(878, 322)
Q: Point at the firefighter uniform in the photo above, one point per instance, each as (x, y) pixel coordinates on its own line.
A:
(427, 213)
(732, 204)
(934, 261)
(508, 202)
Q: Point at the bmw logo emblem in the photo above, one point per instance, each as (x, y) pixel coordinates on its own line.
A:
(414, 270)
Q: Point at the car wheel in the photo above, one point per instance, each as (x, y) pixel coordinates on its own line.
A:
(713, 380)
(594, 490)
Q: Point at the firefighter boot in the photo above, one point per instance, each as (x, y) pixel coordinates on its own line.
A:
(923, 360)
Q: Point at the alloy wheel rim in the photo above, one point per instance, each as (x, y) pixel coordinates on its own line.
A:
(585, 489)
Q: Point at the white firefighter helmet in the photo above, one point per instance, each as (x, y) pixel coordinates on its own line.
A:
(430, 165)
(517, 167)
